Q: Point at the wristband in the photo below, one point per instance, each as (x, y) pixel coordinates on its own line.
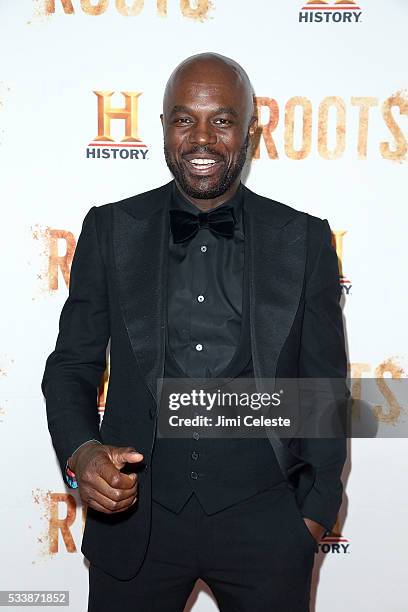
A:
(70, 477)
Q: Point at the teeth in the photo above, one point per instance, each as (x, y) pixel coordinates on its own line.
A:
(202, 162)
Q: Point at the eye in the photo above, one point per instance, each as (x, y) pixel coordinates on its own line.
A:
(183, 120)
(222, 121)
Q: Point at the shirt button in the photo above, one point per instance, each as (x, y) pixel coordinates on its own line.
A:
(194, 475)
(200, 298)
(203, 248)
(196, 435)
(199, 347)
(194, 455)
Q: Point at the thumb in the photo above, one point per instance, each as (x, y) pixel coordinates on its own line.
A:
(126, 455)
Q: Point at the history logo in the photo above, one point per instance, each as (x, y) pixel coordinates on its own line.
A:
(330, 11)
(334, 543)
(126, 142)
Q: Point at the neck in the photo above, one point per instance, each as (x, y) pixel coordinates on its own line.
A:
(206, 205)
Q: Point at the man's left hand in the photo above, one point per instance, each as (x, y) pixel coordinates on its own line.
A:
(315, 529)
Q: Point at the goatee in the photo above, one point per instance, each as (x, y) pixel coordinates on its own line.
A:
(202, 190)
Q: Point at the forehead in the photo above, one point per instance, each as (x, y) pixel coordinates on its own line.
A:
(213, 89)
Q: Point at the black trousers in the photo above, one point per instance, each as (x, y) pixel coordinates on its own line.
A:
(256, 556)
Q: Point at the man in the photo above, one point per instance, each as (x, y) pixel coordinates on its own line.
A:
(199, 278)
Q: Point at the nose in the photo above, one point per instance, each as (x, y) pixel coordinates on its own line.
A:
(202, 134)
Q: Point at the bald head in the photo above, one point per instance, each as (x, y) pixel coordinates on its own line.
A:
(207, 68)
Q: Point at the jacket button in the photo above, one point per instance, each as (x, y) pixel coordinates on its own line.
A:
(194, 475)
(194, 455)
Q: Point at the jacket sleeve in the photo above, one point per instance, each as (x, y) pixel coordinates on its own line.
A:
(323, 356)
(74, 369)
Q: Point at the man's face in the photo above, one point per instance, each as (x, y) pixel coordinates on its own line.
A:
(206, 124)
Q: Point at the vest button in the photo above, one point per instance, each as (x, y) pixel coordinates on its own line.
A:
(194, 475)
(194, 455)
(196, 435)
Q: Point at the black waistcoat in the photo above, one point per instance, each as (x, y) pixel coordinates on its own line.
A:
(220, 471)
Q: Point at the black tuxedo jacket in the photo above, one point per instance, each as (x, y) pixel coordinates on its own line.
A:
(118, 292)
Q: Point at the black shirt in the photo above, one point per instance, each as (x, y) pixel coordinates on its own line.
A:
(205, 294)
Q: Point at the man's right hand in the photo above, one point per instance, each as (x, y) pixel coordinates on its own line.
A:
(101, 484)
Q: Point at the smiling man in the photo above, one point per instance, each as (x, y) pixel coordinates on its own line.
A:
(207, 125)
(199, 278)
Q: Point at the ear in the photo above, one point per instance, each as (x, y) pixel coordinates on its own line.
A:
(253, 126)
(161, 119)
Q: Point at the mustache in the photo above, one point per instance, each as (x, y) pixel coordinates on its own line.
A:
(204, 151)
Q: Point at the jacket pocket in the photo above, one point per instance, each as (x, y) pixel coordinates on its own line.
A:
(303, 529)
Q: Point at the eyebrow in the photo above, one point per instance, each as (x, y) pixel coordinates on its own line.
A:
(222, 110)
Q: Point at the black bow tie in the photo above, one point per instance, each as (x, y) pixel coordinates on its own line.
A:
(184, 225)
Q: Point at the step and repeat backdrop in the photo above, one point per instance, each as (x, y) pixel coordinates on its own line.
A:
(81, 85)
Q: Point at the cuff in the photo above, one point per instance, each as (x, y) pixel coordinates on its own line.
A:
(326, 532)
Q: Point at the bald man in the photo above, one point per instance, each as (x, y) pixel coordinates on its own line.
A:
(199, 279)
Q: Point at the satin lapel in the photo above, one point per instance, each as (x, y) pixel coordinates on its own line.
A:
(277, 246)
(140, 241)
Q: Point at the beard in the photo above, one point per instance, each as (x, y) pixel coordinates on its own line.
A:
(202, 189)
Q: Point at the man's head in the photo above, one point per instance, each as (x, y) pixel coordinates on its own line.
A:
(208, 119)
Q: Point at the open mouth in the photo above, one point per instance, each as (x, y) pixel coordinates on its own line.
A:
(202, 165)
(202, 162)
